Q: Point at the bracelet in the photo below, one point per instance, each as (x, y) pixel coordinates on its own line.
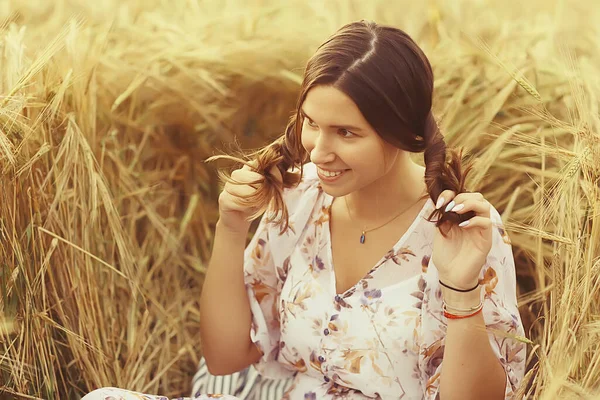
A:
(453, 316)
(458, 313)
(459, 290)
(447, 307)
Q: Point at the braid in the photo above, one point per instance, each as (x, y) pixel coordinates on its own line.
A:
(285, 153)
(443, 175)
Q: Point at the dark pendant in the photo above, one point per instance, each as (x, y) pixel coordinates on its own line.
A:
(362, 238)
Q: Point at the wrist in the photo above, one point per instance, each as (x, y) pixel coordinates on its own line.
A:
(461, 300)
(236, 231)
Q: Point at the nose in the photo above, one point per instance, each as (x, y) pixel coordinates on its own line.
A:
(321, 152)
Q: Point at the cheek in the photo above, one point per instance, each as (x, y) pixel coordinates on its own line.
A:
(388, 156)
(370, 158)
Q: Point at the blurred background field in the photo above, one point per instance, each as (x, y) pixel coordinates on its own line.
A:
(108, 110)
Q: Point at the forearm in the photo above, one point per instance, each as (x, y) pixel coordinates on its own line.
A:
(470, 369)
(224, 307)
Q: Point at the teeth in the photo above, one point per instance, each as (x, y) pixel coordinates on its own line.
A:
(329, 174)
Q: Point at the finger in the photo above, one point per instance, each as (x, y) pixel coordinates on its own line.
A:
(244, 173)
(246, 177)
(461, 196)
(239, 190)
(480, 208)
(444, 197)
(274, 171)
(476, 223)
(233, 202)
(250, 165)
(468, 195)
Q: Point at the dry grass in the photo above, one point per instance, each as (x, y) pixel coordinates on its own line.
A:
(107, 112)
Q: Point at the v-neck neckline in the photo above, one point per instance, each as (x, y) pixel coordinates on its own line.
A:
(328, 202)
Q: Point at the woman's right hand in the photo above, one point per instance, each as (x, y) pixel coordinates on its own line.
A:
(233, 214)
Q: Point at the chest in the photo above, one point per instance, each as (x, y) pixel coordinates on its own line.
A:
(367, 337)
(353, 260)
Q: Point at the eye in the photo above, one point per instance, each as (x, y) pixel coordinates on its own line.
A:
(346, 133)
(310, 123)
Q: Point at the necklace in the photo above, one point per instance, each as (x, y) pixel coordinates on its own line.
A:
(363, 236)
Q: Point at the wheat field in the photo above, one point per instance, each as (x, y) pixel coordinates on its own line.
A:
(109, 109)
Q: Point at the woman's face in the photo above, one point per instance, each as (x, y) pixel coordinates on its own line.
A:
(340, 140)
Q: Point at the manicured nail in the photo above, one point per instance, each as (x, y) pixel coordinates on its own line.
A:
(450, 206)
(440, 203)
(458, 208)
(464, 223)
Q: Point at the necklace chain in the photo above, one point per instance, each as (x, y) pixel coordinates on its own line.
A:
(365, 230)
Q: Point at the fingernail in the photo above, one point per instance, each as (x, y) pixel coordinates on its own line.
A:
(464, 223)
(440, 203)
(450, 206)
(458, 208)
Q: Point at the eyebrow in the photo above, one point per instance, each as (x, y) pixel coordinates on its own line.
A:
(348, 127)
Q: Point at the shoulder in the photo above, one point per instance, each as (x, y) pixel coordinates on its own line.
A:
(306, 192)
(301, 199)
(308, 184)
(500, 236)
(495, 214)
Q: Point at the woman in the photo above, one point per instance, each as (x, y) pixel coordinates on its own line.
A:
(369, 276)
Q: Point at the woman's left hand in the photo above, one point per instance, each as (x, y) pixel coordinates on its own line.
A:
(461, 255)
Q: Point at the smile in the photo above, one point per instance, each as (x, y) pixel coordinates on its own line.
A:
(329, 176)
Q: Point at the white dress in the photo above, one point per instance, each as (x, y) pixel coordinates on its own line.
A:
(382, 338)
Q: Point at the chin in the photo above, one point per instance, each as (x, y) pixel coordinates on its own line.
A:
(335, 191)
(332, 193)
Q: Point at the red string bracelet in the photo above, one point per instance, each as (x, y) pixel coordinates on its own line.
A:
(453, 316)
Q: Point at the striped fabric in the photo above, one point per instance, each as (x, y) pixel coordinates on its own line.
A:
(269, 389)
(246, 384)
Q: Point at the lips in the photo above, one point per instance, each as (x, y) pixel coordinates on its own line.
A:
(329, 175)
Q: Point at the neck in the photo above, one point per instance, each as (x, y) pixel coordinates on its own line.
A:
(398, 189)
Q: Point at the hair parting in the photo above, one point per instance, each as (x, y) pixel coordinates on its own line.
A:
(391, 81)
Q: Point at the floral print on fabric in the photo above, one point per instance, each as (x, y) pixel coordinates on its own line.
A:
(120, 394)
(382, 338)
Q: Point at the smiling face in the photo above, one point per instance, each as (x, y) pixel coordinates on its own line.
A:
(349, 154)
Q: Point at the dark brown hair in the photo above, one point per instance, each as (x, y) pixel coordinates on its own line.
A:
(390, 79)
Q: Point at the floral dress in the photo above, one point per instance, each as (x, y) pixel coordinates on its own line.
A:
(383, 338)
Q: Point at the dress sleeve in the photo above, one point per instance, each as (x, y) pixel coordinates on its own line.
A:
(500, 313)
(266, 264)
(264, 288)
